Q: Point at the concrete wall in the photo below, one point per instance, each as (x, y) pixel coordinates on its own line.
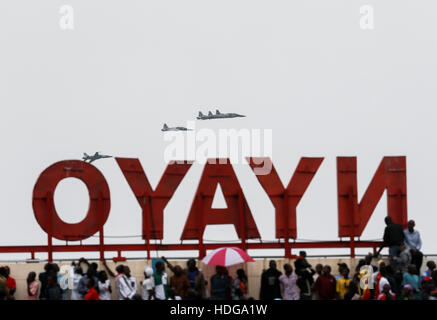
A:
(19, 271)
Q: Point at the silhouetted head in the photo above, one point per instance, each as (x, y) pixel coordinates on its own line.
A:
(55, 267)
(102, 276)
(3, 272)
(431, 265)
(388, 220)
(319, 268)
(386, 288)
(411, 225)
(127, 271)
(177, 271)
(119, 269)
(288, 268)
(241, 274)
(326, 270)
(412, 269)
(191, 264)
(220, 270)
(272, 264)
(31, 277)
(48, 267)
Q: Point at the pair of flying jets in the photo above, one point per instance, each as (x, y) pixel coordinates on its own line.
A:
(201, 116)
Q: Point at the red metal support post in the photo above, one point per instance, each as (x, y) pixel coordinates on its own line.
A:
(50, 223)
(202, 250)
(101, 223)
(242, 219)
(287, 226)
(146, 220)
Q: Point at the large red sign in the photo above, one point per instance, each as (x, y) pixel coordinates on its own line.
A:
(353, 215)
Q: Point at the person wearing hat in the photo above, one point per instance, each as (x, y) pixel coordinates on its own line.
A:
(305, 274)
(148, 285)
(343, 282)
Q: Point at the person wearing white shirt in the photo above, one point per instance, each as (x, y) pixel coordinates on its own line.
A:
(414, 243)
(148, 285)
(75, 276)
(104, 286)
(124, 288)
(132, 280)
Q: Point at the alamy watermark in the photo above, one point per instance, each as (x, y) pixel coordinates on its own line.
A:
(207, 145)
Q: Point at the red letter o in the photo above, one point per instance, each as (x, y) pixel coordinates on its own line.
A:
(43, 204)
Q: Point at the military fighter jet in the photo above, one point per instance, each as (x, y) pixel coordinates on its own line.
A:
(218, 115)
(94, 157)
(167, 128)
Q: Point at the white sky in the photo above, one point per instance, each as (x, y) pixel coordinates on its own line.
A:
(304, 69)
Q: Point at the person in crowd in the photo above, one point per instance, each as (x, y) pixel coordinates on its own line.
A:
(195, 276)
(288, 282)
(381, 280)
(32, 286)
(160, 278)
(343, 282)
(53, 291)
(395, 278)
(122, 286)
(386, 293)
(229, 287)
(92, 293)
(90, 274)
(411, 278)
(148, 285)
(341, 267)
(104, 285)
(239, 286)
(305, 274)
(407, 293)
(428, 287)
(270, 287)
(12, 285)
(404, 258)
(431, 266)
(75, 276)
(393, 237)
(219, 284)
(4, 290)
(325, 285)
(60, 279)
(179, 282)
(43, 279)
(318, 268)
(414, 244)
(132, 280)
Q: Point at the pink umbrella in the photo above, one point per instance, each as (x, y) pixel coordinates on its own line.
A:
(226, 257)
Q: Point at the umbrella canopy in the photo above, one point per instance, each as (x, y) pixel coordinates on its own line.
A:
(226, 257)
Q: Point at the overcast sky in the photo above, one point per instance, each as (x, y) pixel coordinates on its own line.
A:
(304, 69)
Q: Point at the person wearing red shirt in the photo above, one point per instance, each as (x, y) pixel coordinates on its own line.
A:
(325, 285)
(92, 293)
(10, 282)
